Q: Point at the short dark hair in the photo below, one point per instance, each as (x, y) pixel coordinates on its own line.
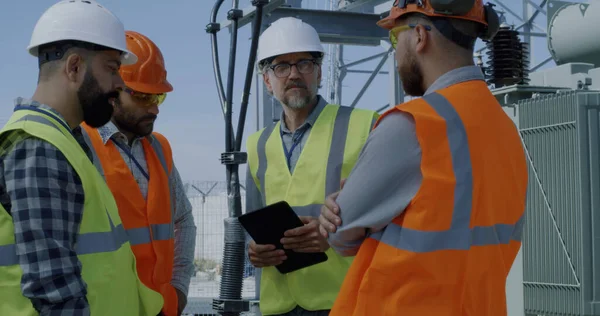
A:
(50, 55)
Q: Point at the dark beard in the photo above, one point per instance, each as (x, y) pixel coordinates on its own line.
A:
(412, 77)
(129, 123)
(95, 104)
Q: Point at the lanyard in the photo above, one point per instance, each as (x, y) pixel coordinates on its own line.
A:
(128, 152)
(295, 142)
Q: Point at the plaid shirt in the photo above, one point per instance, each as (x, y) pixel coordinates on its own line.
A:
(44, 196)
(185, 229)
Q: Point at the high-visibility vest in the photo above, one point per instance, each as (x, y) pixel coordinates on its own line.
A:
(330, 152)
(148, 222)
(449, 253)
(108, 264)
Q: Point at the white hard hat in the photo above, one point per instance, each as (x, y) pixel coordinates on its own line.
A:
(288, 35)
(81, 20)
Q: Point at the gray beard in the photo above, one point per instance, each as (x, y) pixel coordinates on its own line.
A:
(297, 102)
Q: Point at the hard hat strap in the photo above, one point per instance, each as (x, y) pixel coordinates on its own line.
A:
(403, 3)
(445, 7)
(56, 51)
(444, 26)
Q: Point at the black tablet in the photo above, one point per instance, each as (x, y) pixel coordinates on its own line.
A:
(267, 226)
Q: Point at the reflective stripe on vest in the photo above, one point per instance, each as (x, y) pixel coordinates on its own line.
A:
(449, 251)
(87, 243)
(331, 150)
(102, 248)
(143, 235)
(336, 157)
(459, 236)
(148, 221)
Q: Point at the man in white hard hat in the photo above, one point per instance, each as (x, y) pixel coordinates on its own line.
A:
(63, 249)
(300, 159)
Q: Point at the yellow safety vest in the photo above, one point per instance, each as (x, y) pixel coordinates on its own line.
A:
(331, 150)
(108, 264)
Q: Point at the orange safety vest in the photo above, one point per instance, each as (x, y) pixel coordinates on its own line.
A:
(149, 223)
(449, 253)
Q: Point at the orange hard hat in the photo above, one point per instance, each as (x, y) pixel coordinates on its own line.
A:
(472, 10)
(148, 75)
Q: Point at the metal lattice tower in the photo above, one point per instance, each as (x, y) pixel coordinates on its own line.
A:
(346, 27)
(530, 23)
(529, 19)
(348, 30)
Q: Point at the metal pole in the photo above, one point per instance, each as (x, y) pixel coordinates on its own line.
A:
(371, 77)
(230, 301)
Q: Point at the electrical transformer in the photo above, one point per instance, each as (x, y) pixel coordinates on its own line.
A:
(561, 239)
(557, 112)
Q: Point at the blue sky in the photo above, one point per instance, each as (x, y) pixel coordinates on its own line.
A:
(191, 117)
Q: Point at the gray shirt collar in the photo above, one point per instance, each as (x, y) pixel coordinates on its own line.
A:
(456, 76)
(110, 130)
(310, 120)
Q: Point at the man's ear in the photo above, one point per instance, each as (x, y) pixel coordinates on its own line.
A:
(267, 82)
(422, 38)
(75, 67)
(319, 74)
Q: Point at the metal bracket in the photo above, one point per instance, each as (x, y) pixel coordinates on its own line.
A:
(230, 306)
(234, 158)
(235, 14)
(257, 2)
(213, 27)
(249, 13)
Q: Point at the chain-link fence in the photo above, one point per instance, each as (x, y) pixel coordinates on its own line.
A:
(209, 202)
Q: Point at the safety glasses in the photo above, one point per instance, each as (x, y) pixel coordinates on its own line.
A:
(399, 29)
(146, 98)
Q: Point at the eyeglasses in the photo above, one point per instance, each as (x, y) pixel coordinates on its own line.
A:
(399, 29)
(146, 98)
(305, 66)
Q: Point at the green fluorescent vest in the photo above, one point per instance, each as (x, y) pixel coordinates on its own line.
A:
(331, 150)
(106, 257)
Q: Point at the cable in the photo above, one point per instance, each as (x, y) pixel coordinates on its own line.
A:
(213, 27)
(250, 70)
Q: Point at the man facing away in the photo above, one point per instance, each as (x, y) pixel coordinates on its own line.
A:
(300, 159)
(138, 167)
(63, 250)
(433, 209)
